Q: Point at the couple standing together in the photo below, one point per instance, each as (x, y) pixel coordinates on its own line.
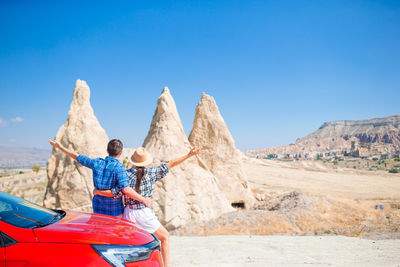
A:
(112, 181)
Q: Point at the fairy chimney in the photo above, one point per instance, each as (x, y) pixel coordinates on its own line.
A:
(189, 192)
(219, 152)
(70, 184)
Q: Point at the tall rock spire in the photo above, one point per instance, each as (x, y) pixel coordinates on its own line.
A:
(219, 152)
(70, 184)
(189, 192)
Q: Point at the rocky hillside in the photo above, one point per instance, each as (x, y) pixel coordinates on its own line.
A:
(376, 130)
(380, 135)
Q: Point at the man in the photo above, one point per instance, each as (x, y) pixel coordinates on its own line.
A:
(108, 173)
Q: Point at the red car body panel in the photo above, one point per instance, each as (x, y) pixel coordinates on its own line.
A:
(67, 242)
(53, 254)
(19, 234)
(87, 228)
(2, 257)
(60, 255)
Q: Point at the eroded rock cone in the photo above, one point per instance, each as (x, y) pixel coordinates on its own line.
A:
(70, 184)
(189, 192)
(219, 152)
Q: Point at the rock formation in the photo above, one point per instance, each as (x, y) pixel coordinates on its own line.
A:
(189, 192)
(219, 152)
(70, 184)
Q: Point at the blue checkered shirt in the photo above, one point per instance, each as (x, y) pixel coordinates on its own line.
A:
(107, 173)
(152, 175)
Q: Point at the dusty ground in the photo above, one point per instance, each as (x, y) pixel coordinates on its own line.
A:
(322, 179)
(283, 251)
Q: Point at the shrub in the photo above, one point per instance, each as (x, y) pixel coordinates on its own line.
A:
(394, 170)
(395, 206)
(20, 172)
(36, 168)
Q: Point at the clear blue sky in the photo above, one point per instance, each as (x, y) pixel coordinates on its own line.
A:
(277, 69)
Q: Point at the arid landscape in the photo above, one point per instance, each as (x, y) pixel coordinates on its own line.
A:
(286, 114)
(304, 211)
(342, 194)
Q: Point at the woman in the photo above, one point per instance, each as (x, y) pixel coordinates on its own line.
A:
(143, 180)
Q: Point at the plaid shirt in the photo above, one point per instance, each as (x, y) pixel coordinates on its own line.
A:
(107, 173)
(152, 175)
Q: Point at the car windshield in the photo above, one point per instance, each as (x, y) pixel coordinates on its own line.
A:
(21, 213)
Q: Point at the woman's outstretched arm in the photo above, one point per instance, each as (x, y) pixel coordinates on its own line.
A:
(177, 161)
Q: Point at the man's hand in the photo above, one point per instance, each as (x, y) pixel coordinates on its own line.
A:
(54, 143)
(147, 202)
(194, 151)
(70, 153)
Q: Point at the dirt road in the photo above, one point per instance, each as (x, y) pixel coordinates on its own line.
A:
(264, 251)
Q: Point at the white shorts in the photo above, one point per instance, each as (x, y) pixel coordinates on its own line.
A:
(143, 218)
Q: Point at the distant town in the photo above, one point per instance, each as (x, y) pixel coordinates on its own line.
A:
(357, 157)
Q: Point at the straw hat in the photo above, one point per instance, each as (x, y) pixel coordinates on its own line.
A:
(140, 157)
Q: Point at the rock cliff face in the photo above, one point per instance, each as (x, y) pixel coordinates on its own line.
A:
(219, 152)
(70, 184)
(381, 135)
(366, 130)
(189, 192)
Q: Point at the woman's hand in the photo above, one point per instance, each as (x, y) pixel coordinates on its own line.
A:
(175, 162)
(147, 202)
(194, 151)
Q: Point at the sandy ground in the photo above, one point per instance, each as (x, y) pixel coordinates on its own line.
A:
(283, 251)
(321, 179)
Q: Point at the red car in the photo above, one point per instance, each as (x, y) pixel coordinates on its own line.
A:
(31, 235)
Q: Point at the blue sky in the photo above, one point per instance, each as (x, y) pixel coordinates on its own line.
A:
(277, 69)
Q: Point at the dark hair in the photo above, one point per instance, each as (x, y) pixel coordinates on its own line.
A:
(114, 147)
(141, 171)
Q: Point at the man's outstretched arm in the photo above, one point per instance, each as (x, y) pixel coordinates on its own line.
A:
(177, 161)
(70, 153)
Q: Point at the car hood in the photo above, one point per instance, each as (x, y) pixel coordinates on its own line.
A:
(88, 228)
